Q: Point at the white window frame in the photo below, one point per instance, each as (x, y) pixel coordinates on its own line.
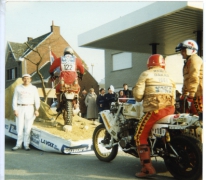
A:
(121, 61)
(13, 73)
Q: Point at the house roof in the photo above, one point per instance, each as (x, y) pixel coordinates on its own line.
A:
(21, 49)
(17, 49)
(44, 70)
(165, 22)
(35, 42)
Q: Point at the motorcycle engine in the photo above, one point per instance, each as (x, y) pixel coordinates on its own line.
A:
(127, 130)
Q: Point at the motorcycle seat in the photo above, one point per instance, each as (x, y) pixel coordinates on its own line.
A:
(166, 120)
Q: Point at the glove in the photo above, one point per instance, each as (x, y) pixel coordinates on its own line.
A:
(52, 76)
(80, 76)
(189, 99)
(182, 97)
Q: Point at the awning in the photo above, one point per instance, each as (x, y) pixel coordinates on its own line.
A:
(165, 23)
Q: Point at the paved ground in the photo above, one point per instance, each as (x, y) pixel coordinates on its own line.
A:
(36, 164)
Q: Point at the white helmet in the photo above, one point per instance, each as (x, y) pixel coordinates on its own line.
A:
(190, 45)
(68, 50)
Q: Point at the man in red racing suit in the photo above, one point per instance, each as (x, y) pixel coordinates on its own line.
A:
(157, 90)
(69, 65)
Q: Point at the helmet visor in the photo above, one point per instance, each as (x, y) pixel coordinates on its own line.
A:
(179, 47)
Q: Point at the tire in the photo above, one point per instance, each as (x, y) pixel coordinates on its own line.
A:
(103, 153)
(68, 113)
(189, 166)
(197, 133)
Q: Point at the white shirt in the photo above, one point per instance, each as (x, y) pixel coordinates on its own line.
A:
(26, 95)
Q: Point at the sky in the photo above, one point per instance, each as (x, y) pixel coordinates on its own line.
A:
(33, 19)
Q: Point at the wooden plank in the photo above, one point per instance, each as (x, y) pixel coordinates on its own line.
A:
(52, 92)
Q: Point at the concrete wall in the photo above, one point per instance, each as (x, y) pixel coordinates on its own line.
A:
(174, 65)
(129, 76)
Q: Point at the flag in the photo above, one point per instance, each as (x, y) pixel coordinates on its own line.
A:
(52, 57)
(57, 70)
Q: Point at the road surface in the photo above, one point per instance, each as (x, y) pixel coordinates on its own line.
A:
(39, 165)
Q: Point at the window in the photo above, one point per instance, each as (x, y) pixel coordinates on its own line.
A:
(122, 61)
(12, 74)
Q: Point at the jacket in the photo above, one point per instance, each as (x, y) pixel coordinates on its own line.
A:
(68, 68)
(155, 88)
(83, 107)
(100, 101)
(193, 76)
(90, 102)
(128, 93)
(109, 98)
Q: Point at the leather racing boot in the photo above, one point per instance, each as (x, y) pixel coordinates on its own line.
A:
(147, 168)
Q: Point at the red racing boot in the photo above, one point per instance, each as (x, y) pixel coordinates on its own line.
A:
(147, 169)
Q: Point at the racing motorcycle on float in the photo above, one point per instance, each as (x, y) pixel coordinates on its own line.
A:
(181, 152)
(68, 98)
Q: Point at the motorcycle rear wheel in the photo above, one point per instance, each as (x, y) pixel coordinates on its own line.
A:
(68, 113)
(189, 166)
(103, 153)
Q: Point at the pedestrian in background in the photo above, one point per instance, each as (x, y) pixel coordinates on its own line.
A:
(122, 95)
(110, 97)
(82, 105)
(101, 102)
(25, 99)
(90, 102)
(127, 92)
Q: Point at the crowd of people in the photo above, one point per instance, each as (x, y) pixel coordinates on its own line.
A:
(91, 103)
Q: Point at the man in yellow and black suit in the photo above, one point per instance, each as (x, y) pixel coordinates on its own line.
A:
(157, 90)
(193, 76)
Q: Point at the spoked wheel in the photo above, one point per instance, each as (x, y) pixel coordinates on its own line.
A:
(68, 113)
(189, 164)
(103, 151)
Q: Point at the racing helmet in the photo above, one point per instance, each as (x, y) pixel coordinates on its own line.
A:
(190, 45)
(156, 60)
(68, 50)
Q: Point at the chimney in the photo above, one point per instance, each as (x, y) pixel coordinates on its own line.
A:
(29, 39)
(55, 29)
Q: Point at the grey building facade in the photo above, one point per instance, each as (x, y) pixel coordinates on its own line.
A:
(155, 29)
(126, 75)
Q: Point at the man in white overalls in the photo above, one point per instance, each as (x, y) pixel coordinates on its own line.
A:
(25, 99)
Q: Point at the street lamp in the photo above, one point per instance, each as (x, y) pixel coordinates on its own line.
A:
(92, 68)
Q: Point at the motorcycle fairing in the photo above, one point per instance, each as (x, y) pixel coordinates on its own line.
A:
(110, 123)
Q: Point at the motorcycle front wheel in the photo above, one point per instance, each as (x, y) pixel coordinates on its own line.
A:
(189, 164)
(103, 152)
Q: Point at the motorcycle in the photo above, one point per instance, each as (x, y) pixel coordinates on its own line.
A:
(183, 106)
(182, 153)
(68, 99)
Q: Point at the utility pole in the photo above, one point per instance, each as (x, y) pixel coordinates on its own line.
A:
(92, 68)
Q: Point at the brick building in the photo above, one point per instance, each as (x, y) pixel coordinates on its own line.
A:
(19, 58)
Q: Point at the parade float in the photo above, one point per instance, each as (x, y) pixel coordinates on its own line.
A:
(47, 132)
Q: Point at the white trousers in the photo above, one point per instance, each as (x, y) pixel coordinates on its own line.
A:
(24, 123)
